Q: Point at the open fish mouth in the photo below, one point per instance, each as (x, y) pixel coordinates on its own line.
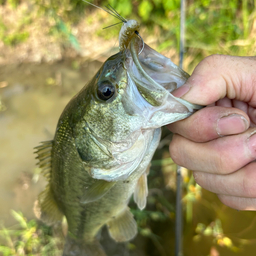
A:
(151, 77)
(155, 77)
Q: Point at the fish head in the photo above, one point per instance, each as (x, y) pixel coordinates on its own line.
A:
(106, 124)
(120, 108)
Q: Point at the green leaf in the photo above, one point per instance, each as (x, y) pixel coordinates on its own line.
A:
(19, 217)
(171, 5)
(7, 251)
(124, 8)
(145, 9)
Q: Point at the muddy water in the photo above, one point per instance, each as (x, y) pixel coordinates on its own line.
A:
(34, 97)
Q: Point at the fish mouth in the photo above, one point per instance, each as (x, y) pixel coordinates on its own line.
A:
(151, 77)
(155, 77)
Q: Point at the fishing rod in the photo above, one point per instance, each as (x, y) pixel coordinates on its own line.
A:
(182, 31)
(179, 181)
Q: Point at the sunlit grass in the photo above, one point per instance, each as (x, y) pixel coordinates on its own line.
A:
(28, 237)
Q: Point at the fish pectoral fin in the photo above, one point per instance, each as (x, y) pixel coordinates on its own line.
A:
(46, 208)
(123, 227)
(141, 191)
(96, 191)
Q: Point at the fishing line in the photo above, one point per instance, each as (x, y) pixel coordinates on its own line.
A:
(109, 9)
(129, 26)
(137, 33)
(113, 25)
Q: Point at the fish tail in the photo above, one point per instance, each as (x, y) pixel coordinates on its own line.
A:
(75, 247)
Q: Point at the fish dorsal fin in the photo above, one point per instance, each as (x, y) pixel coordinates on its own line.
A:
(45, 208)
(123, 227)
(141, 191)
(44, 155)
(96, 191)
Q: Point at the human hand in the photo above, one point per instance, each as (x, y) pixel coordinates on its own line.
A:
(219, 142)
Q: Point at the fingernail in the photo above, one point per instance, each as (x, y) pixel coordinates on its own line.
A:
(181, 91)
(231, 124)
(252, 144)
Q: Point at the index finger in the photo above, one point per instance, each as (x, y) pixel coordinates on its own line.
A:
(219, 76)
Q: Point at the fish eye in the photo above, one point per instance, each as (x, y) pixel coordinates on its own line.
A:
(105, 90)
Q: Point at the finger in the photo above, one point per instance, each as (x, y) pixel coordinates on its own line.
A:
(220, 76)
(221, 156)
(239, 203)
(241, 105)
(225, 102)
(241, 183)
(211, 123)
(252, 114)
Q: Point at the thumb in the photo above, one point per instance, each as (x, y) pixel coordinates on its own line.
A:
(219, 76)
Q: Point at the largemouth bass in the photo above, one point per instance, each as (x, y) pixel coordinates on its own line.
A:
(104, 142)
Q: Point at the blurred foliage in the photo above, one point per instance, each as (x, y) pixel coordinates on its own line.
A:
(17, 35)
(215, 230)
(217, 26)
(68, 10)
(12, 3)
(28, 238)
(15, 38)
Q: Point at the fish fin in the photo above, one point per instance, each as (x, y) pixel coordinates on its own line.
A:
(141, 191)
(44, 154)
(123, 227)
(79, 247)
(96, 191)
(46, 208)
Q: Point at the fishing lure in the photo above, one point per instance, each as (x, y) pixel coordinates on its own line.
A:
(129, 29)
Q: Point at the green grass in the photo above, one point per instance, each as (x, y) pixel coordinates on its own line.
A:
(28, 237)
(217, 26)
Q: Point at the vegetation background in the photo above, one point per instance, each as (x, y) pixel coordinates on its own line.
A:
(48, 50)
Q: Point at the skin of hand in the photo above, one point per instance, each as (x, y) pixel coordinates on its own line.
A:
(218, 142)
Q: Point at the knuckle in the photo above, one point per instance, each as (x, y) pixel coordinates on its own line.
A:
(214, 59)
(193, 132)
(198, 176)
(222, 162)
(174, 151)
(222, 166)
(246, 188)
(248, 185)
